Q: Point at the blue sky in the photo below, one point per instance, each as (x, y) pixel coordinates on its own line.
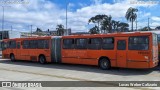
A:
(46, 14)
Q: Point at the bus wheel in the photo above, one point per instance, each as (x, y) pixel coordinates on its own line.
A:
(42, 59)
(104, 64)
(12, 57)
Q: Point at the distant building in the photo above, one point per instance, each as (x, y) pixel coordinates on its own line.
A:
(79, 33)
(67, 31)
(51, 33)
(9, 35)
(27, 34)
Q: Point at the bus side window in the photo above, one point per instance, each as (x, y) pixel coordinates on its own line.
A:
(81, 43)
(40, 44)
(25, 44)
(108, 43)
(94, 43)
(43, 44)
(18, 45)
(33, 44)
(121, 45)
(138, 43)
(12, 44)
(46, 44)
(3, 45)
(68, 44)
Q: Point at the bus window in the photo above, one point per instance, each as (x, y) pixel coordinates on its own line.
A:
(81, 43)
(18, 45)
(12, 44)
(94, 43)
(4, 45)
(121, 45)
(33, 44)
(43, 44)
(25, 44)
(108, 43)
(46, 44)
(68, 43)
(139, 43)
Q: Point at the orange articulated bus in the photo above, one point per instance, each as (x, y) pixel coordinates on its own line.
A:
(126, 50)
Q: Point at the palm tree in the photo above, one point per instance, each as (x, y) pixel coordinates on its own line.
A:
(60, 30)
(97, 19)
(94, 30)
(123, 26)
(131, 15)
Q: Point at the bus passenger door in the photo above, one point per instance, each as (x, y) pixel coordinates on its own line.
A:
(122, 51)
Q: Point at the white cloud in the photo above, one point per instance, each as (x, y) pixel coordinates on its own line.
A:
(71, 5)
(155, 24)
(45, 14)
(155, 18)
(147, 14)
(39, 13)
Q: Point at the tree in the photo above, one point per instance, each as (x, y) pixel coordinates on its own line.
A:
(115, 25)
(131, 15)
(123, 26)
(48, 32)
(60, 30)
(94, 30)
(39, 31)
(97, 19)
(157, 28)
(106, 25)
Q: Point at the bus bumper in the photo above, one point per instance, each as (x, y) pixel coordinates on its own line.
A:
(155, 63)
(142, 64)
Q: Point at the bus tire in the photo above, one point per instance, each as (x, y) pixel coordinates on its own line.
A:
(42, 59)
(12, 57)
(104, 64)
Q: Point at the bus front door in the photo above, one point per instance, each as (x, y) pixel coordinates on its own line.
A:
(121, 51)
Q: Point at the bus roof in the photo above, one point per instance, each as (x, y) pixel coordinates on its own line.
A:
(30, 38)
(112, 34)
(155, 31)
(91, 35)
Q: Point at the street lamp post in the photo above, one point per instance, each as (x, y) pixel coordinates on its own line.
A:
(148, 24)
(3, 20)
(31, 30)
(66, 16)
(136, 24)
